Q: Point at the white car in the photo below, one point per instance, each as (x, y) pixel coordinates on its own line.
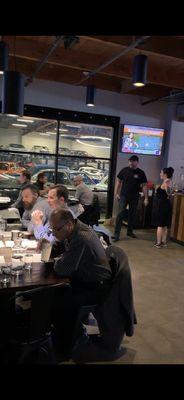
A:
(40, 149)
(94, 173)
(16, 147)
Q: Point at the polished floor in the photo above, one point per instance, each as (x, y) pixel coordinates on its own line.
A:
(158, 283)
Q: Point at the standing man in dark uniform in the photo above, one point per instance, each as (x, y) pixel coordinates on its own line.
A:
(129, 181)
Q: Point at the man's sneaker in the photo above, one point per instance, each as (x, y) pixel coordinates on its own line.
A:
(131, 234)
(164, 244)
(158, 245)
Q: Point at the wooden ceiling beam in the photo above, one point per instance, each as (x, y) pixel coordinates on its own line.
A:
(64, 75)
(167, 46)
(68, 65)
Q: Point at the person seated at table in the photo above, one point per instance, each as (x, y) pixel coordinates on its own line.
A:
(84, 261)
(85, 195)
(40, 183)
(24, 179)
(57, 197)
(32, 201)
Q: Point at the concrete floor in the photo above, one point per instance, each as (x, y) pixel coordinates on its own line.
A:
(158, 284)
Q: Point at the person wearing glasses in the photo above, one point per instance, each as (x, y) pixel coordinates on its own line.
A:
(85, 263)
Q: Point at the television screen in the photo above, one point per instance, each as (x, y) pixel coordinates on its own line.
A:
(142, 140)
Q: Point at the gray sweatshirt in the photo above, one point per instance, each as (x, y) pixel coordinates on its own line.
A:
(42, 205)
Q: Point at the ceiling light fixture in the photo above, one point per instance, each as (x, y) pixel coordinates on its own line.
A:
(25, 120)
(90, 95)
(21, 125)
(92, 145)
(140, 70)
(3, 57)
(74, 126)
(95, 137)
(13, 93)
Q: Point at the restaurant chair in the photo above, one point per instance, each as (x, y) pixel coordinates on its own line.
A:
(32, 331)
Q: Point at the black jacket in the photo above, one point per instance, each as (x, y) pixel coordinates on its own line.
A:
(116, 316)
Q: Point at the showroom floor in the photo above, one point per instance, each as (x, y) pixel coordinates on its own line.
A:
(158, 282)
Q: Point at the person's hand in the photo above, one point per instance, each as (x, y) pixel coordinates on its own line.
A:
(37, 217)
(146, 202)
(117, 196)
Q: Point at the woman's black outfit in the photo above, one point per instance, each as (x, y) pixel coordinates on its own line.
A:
(164, 211)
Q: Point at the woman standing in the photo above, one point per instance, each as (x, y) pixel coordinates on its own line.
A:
(164, 211)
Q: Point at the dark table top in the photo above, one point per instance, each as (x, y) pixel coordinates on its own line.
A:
(41, 274)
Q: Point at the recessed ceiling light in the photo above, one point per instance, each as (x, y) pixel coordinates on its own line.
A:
(25, 120)
(21, 125)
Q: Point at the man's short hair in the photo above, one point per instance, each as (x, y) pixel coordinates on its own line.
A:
(61, 191)
(34, 189)
(62, 215)
(26, 174)
(134, 158)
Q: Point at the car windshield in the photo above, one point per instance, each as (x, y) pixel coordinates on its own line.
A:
(17, 145)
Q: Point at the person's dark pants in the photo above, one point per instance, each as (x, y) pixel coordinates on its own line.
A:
(86, 216)
(121, 215)
(65, 312)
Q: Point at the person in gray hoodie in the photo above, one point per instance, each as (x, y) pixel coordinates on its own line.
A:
(32, 201)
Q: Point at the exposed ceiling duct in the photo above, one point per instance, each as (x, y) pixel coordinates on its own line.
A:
(176, 97)
(45, 58)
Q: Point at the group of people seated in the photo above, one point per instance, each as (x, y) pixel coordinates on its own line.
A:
(77, 253)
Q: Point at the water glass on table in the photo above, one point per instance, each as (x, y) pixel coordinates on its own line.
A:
(5, 272)
(28, 259)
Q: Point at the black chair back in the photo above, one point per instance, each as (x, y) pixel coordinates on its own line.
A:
(95, 211)
(38, 322)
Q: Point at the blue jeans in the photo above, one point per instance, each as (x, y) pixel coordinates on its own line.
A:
(121, 215)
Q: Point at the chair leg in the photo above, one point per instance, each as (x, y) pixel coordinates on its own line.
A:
(24, 355)
(51, 351)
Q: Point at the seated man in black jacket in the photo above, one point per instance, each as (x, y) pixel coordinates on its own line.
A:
(84, 261)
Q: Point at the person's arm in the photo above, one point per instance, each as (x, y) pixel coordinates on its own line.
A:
(77, 194)
(118, 188)
(145, 191)
(25, 219)
(44, 191)
(44, 232)
(71, 259)
(18, 202)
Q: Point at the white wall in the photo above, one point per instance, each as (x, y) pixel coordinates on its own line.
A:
(176, 149)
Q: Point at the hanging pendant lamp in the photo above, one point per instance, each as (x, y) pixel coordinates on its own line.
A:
(140, 70)
(13, 93)
(90, 95)
(3, 57)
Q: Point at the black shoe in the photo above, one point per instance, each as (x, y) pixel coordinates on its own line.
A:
(131, 234)
(115, 239)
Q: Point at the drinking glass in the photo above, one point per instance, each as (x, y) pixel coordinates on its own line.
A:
(28, 259)
(5, 272)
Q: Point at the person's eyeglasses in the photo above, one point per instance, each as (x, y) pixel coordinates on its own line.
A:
(59, 228)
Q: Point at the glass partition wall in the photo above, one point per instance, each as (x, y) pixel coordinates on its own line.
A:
(61, 148)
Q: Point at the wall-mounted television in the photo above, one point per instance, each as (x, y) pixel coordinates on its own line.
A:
(141, 140)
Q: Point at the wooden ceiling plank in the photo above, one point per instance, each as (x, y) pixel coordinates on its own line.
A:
(167, 46)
